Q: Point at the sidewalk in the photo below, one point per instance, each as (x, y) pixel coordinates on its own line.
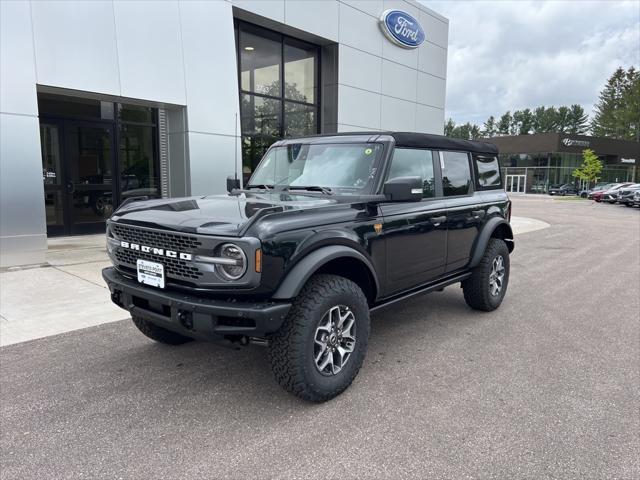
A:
(69, 293)
(66, 294)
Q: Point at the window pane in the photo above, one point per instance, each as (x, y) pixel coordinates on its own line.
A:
(488, 171)
(60, 105)
(138, 174)
(260, 60)
(300, 73)
(349, 168)
(253, 148)
(456, 176)
(299, 120)
(135, 113)
(260, 116)
(414, 163)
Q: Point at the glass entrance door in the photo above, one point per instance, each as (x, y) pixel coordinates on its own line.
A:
(89, 176)
(516, 183)
(77, 170)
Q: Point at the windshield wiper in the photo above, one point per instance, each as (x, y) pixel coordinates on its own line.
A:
(310, 188)
(259, 185)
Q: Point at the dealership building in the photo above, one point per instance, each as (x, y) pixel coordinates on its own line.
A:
(105, 100)
(533, 163)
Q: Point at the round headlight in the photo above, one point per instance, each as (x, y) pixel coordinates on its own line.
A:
(237, 262)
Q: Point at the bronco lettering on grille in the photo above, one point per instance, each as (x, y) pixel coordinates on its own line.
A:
(156, 251)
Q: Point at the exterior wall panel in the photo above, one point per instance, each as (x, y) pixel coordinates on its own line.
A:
(72, 52)
(180, 56)
(150, 51)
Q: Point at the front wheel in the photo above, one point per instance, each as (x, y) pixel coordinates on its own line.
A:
(320, 347)
(487, 285)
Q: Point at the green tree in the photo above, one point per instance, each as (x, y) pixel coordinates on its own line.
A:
(578, 120)
(490, 127)
(522, 122)
(449, 127)
(617, 112)
(590, 169)
(504, 124)
(563, 119)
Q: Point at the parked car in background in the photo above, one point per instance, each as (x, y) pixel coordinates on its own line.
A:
(597, 188)
(635, 201)
(611, 195)
(597, 195)
(562, 190)
(625, 195)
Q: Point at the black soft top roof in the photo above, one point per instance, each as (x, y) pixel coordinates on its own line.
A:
(406, 139)
(426, 140)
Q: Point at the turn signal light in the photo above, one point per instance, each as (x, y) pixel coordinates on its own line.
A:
(258, 260)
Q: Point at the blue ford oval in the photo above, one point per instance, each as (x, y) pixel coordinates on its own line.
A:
(402, 29)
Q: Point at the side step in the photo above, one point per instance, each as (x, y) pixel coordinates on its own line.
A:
(439, 285)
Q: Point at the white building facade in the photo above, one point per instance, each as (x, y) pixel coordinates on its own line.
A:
(103, 100)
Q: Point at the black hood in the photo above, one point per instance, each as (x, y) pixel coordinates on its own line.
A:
(214, 214)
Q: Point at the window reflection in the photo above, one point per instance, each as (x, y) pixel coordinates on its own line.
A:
(279, 89)
(300, 73)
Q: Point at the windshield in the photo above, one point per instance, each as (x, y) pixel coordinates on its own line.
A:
(346, 168)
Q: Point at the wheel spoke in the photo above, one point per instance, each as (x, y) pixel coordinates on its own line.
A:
(334, 340)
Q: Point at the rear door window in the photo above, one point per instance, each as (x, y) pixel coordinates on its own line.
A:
(456, 173)
(488, 171)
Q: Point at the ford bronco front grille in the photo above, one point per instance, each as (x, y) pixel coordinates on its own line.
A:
(154, 238)
(175, 268)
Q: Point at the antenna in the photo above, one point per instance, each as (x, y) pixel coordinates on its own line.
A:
(236, 148)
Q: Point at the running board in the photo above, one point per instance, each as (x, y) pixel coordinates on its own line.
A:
(420, 290)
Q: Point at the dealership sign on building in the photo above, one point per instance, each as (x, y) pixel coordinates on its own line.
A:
(402, 29)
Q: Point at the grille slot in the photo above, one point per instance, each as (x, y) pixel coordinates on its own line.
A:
(171, 241)
(173, 267)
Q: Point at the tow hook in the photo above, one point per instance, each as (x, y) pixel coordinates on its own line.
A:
(115, 297)
(185, 319)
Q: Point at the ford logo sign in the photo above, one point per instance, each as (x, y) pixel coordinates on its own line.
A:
(401, 28)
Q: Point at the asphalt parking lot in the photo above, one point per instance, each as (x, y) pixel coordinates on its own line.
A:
(548, 386)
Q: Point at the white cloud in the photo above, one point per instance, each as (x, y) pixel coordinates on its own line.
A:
(509, 55)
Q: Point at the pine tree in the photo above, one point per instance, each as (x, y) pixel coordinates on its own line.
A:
(490, 128)
(577, 120)
(504, 124)
(449, 127)
(617, 113)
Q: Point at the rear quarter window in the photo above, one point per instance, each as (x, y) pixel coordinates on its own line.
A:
(488, 171)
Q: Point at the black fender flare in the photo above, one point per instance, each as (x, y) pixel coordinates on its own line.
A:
(484, 236)
(308, 265)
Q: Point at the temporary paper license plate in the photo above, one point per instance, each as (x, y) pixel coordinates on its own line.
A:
(151, 273)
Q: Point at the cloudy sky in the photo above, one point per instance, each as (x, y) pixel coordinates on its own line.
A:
(514, 54)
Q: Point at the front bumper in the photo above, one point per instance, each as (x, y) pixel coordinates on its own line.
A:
(196, 317)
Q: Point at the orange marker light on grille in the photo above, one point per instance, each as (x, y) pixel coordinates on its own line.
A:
(258, 260)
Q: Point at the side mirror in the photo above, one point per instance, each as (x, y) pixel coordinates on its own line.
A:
(403, 189)
(233, 183)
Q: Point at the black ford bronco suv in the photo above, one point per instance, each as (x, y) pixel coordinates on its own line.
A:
(327, 229)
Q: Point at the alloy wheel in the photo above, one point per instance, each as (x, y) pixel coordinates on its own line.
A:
(496, 277)
(334, 340)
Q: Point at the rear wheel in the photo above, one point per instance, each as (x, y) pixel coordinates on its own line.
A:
(159, 334)
(487, 285)
(321, 345)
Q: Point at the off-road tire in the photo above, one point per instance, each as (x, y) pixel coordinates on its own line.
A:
(291, 347)
(476, 288)
(159, 334)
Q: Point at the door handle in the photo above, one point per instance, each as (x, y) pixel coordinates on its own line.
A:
(438, 220)
(478, 213)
